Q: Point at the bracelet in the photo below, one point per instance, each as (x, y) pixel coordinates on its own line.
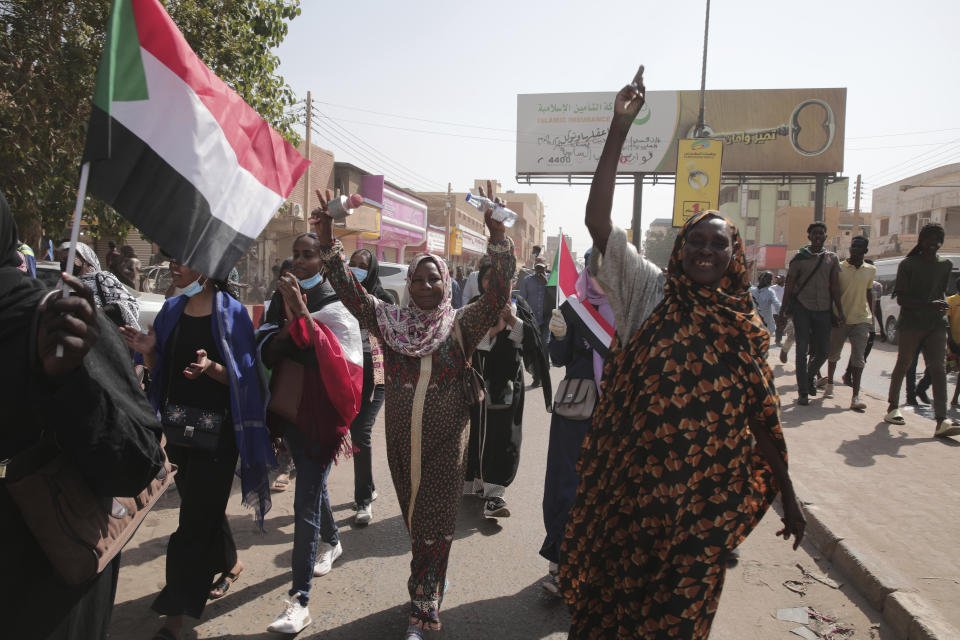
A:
(506, 246)
(335, 251)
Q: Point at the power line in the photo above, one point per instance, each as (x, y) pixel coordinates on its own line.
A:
(393, 115)
(898, 146)
(910, 161)
(385, 158)
(436, 133)
(346, 146)
(909, 133)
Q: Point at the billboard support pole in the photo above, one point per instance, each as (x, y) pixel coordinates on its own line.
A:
(637, 207)
(699, 133)
(819, 197)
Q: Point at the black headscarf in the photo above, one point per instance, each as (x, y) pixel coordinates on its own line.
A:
(372, 282)
(19, 293)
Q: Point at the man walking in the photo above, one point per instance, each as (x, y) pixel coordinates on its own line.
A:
(533, 289)
(812, 288)
(921, 290)
(856, 300)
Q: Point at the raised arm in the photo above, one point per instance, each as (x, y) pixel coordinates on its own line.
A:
(477, 318)
(354, 297)
(626, 106)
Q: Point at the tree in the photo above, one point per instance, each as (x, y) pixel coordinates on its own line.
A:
(49, 51)
(658, 246)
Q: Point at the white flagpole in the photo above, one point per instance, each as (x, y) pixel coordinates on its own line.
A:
(75, 233)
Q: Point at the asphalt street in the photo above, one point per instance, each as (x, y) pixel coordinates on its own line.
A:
(495, 571)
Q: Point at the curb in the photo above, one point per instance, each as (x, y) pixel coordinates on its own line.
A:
(910, 616)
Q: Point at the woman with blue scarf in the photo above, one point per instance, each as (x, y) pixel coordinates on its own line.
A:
(202, 354)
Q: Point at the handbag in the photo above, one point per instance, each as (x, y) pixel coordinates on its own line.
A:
(501, 400)
(194, 427)
(576, 398)
(473, 392)
(286, 389)
(79, 531)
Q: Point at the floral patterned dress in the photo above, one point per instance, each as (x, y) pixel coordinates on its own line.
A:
(426, 423)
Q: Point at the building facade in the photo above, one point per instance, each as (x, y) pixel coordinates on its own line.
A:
(900, 210)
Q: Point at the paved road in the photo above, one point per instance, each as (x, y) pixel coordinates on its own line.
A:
(494, 570)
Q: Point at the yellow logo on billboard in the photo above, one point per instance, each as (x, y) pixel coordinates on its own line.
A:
(698, 178)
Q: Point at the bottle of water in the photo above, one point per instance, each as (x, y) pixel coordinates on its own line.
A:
(500, 213)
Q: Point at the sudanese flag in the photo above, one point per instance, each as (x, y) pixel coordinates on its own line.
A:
(176, 151)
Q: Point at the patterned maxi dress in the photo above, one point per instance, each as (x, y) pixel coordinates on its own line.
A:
(426, 423)
(671, 478)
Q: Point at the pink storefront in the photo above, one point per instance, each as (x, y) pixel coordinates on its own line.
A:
(403, 221)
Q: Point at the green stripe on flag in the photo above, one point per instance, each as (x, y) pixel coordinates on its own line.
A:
(120, 77)
(554, 270)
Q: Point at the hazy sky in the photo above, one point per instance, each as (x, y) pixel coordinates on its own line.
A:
(426, 91)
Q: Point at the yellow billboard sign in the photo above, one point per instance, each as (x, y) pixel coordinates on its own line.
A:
(456, 242)
(698, 178)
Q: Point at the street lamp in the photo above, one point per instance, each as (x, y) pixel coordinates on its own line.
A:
(904, 187)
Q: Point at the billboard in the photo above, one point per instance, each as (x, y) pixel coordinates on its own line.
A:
(763, 130)
(698, 178)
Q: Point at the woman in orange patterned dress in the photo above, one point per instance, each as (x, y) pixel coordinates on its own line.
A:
(685, 452)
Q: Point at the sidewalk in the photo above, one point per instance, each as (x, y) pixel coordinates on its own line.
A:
(881, 502)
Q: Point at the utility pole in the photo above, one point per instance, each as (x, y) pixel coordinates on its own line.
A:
(856, 195)
(819, 198)
(449, 208)
(637, 208)
(306, 174)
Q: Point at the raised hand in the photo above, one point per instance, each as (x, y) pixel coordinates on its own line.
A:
(630, 100)
(320, 219)
(69, 322)
(498, 231)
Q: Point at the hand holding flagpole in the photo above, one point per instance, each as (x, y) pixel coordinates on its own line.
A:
(75, 233)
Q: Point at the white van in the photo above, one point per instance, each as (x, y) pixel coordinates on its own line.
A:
(887, 276)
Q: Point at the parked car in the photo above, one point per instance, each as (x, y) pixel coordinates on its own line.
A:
(393, 277)
(150, 304)
(156, 278)
(48, 273)
(887, 276)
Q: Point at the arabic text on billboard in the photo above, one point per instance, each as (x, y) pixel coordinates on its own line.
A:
(764, 131)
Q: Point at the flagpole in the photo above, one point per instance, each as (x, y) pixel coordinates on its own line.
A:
(75, 233)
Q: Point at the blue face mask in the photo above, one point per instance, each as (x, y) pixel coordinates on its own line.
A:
(192, 289)
(311, 282)
(360, 273)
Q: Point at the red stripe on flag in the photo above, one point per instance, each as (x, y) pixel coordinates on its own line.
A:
(567, 273)
(260, 150)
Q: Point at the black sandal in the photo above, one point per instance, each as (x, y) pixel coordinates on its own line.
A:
(223, 585)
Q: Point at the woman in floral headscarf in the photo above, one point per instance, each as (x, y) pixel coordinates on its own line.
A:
(427, 345)
(685, 452)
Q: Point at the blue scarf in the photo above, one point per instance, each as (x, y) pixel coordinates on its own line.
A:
(233, 334)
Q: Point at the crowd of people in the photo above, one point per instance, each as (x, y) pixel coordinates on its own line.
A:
(665, 447)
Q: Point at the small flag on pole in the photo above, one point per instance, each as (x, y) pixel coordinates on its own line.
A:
(595, 327)
(176, 151)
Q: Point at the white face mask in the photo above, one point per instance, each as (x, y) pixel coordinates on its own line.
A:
(193, 288)
(311, 282)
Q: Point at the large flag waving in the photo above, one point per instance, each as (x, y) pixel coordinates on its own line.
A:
(595, 327)
(176, 151)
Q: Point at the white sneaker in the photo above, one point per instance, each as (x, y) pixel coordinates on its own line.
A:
(326, 554)
(828, 390)
(857, 405)
(294, 619)
(364, 515)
